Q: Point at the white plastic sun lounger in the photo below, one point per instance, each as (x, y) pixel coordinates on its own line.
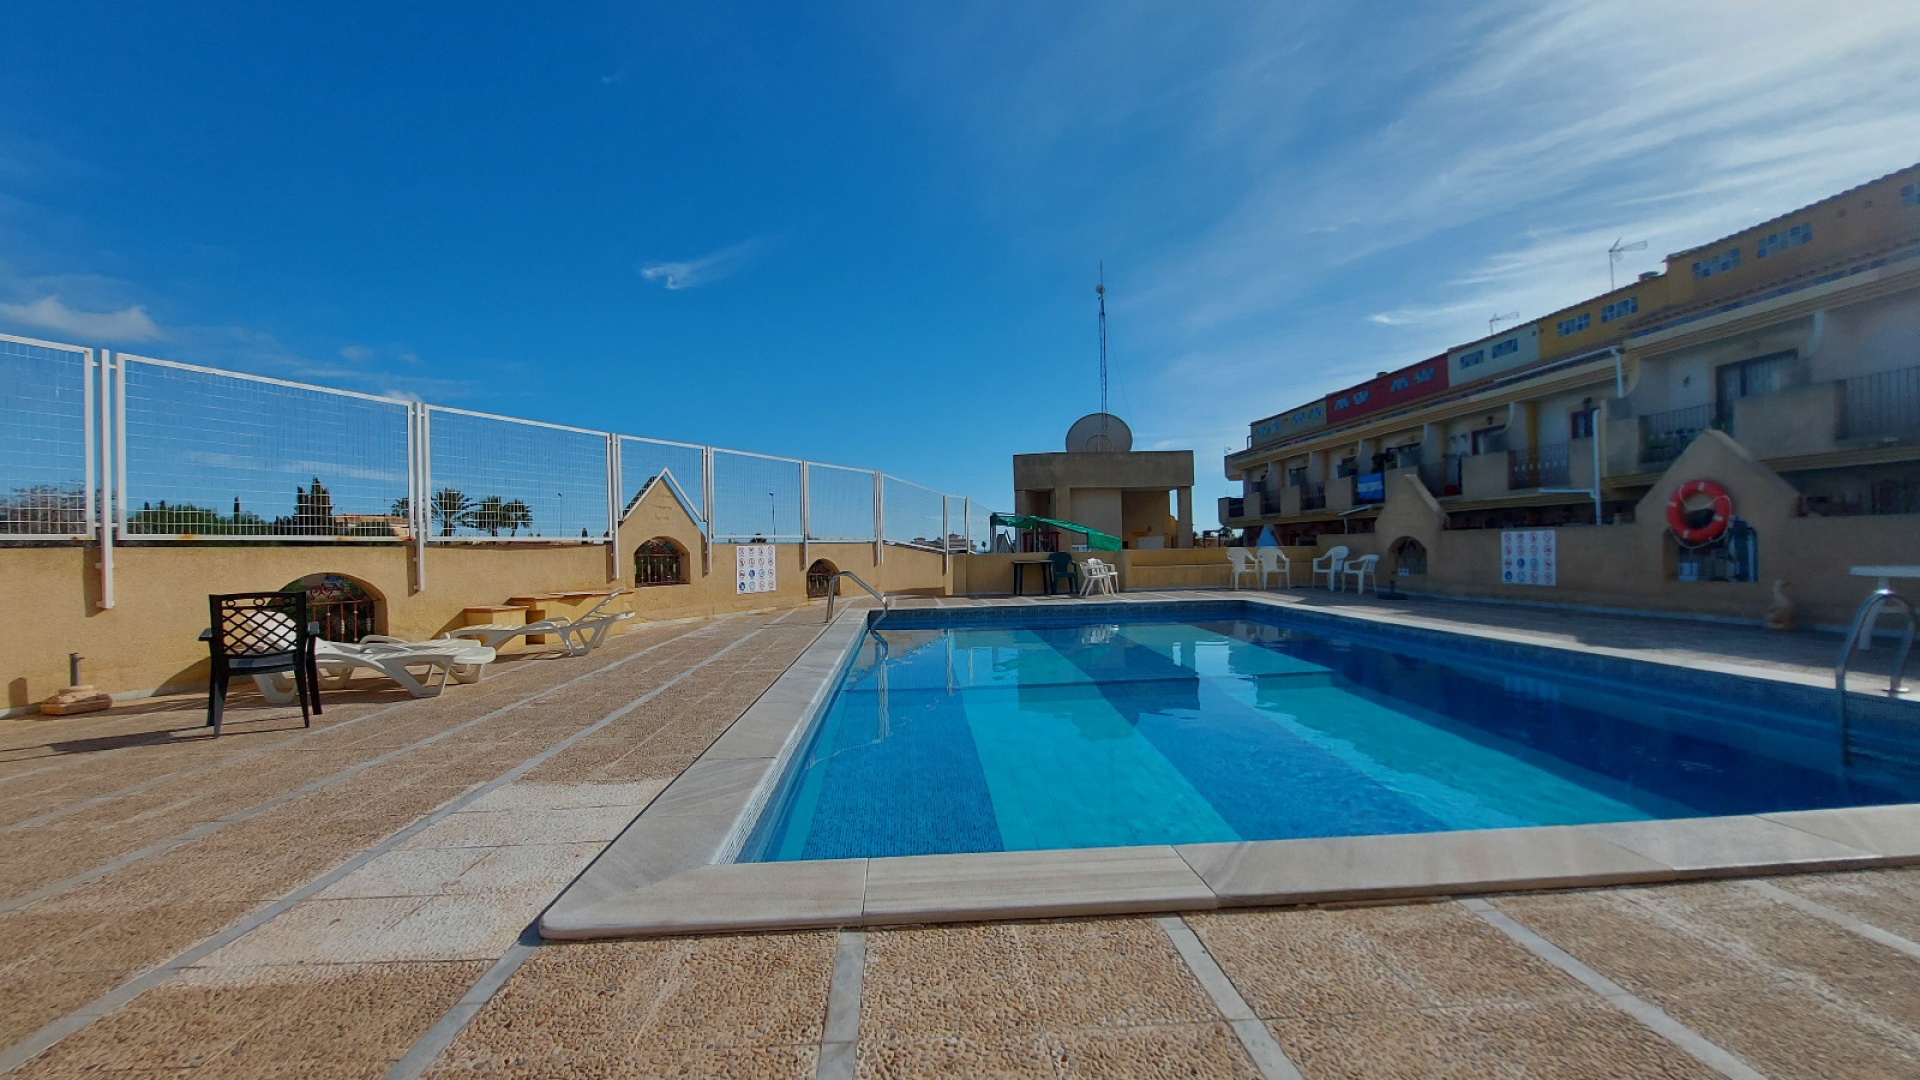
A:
(459, 661)
(580, 636)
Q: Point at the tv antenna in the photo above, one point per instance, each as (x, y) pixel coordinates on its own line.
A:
(1615, 252)
(1100, 291)
(1508, 317)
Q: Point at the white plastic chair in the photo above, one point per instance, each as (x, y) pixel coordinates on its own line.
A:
(1243, 564)
(1097, 576)
(1274, 562)
(1361, 570)
(580, 636)
(1330, 566)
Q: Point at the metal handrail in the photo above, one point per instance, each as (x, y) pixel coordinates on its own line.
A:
(833, 591)
(1863, 622)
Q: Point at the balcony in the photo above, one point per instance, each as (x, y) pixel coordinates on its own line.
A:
(1484, 476)
(1442, 477)
(1541, 467)
(1665, 435)
(1313, 496)
(1340, 494)
(1232, 510)
(1883, 406)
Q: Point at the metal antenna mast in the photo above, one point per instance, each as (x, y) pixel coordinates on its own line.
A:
(1100, 291)
(1614, 254)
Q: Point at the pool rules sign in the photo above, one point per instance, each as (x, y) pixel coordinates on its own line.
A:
(1527, 556)
(753, 565)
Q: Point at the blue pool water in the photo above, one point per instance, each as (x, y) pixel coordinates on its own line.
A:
(997, 732)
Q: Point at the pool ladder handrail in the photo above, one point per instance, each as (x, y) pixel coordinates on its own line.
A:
(1864, 620)
(833, 591)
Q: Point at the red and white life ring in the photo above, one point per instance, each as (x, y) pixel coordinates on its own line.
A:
(1677, 511)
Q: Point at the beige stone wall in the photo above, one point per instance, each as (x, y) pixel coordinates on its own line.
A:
(148, 640)
(1631, 566)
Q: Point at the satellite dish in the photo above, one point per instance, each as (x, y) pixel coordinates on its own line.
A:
(1099, 433)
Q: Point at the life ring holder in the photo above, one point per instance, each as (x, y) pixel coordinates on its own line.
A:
(1677, 512)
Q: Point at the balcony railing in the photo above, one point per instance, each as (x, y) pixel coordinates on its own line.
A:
(1232, 509)
(1664, 435)
(1543, 466)
(1883, 405)
(1313, 496)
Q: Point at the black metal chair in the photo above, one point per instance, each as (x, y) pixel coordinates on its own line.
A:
(1065, 572)
(261, 634)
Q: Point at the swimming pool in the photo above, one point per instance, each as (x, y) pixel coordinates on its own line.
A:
(1101, 726)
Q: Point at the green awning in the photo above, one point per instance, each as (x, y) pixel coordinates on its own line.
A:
(1096, 539)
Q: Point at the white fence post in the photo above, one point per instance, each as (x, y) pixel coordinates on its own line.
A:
(946, 546)
(706, 509)
(616, 506)
(109, 447)
(879, 519)
(806, 519)
(420, 483)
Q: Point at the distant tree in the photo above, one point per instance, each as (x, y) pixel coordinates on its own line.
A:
(312, 512)
(44, 508)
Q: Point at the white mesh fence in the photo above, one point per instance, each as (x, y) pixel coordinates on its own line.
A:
(839, 503)
(194, 452)
(505, 479)
(211, 453)
(913, 515)
(45, 480)
(755, 497)
(643, 459)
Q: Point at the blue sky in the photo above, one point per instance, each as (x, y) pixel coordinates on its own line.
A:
(867, 233)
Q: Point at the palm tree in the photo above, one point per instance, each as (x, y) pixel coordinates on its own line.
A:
(489, 514)
(515, 515)
(454, 510)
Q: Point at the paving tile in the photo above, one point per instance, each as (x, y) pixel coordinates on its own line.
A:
(742, 1062)
(1304, 963)
(947, 983)
(1621, 940)
(581, 1001)
(328, 932)
(744, 991)
(1575, 1039)
(1888, 899)
(1110, 973)
(533, 795)
(1454, 958)
(984, 1056)
(33, 998)
(505, 828)
(1209, 1051)
(1788, 1033)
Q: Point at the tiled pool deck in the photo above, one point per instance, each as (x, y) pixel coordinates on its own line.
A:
(354, 900)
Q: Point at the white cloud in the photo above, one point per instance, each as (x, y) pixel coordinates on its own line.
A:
(52, 314)
(701, 271)
(356, 353)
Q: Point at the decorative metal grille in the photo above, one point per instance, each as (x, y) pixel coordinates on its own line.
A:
(46, 474)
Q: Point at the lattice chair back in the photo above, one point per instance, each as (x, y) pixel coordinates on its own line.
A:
(260, 634)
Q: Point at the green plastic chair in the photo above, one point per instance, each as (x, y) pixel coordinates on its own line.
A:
(1064, 570)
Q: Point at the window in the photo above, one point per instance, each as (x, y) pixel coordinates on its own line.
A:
(1719, 264)
(1910, 194)
(1574, 325)
(659, 561)
(1468, 359)
(1620, 309)
(1490, 440)
(1760, 375)
(1296, 476)
(1580, 424)
(1505, 348)
(1781, 241)
(1399, 384)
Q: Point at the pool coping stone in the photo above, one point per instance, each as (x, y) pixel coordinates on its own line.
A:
(671, 871)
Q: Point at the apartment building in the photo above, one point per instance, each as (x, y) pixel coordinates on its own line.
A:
(1797, 337)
